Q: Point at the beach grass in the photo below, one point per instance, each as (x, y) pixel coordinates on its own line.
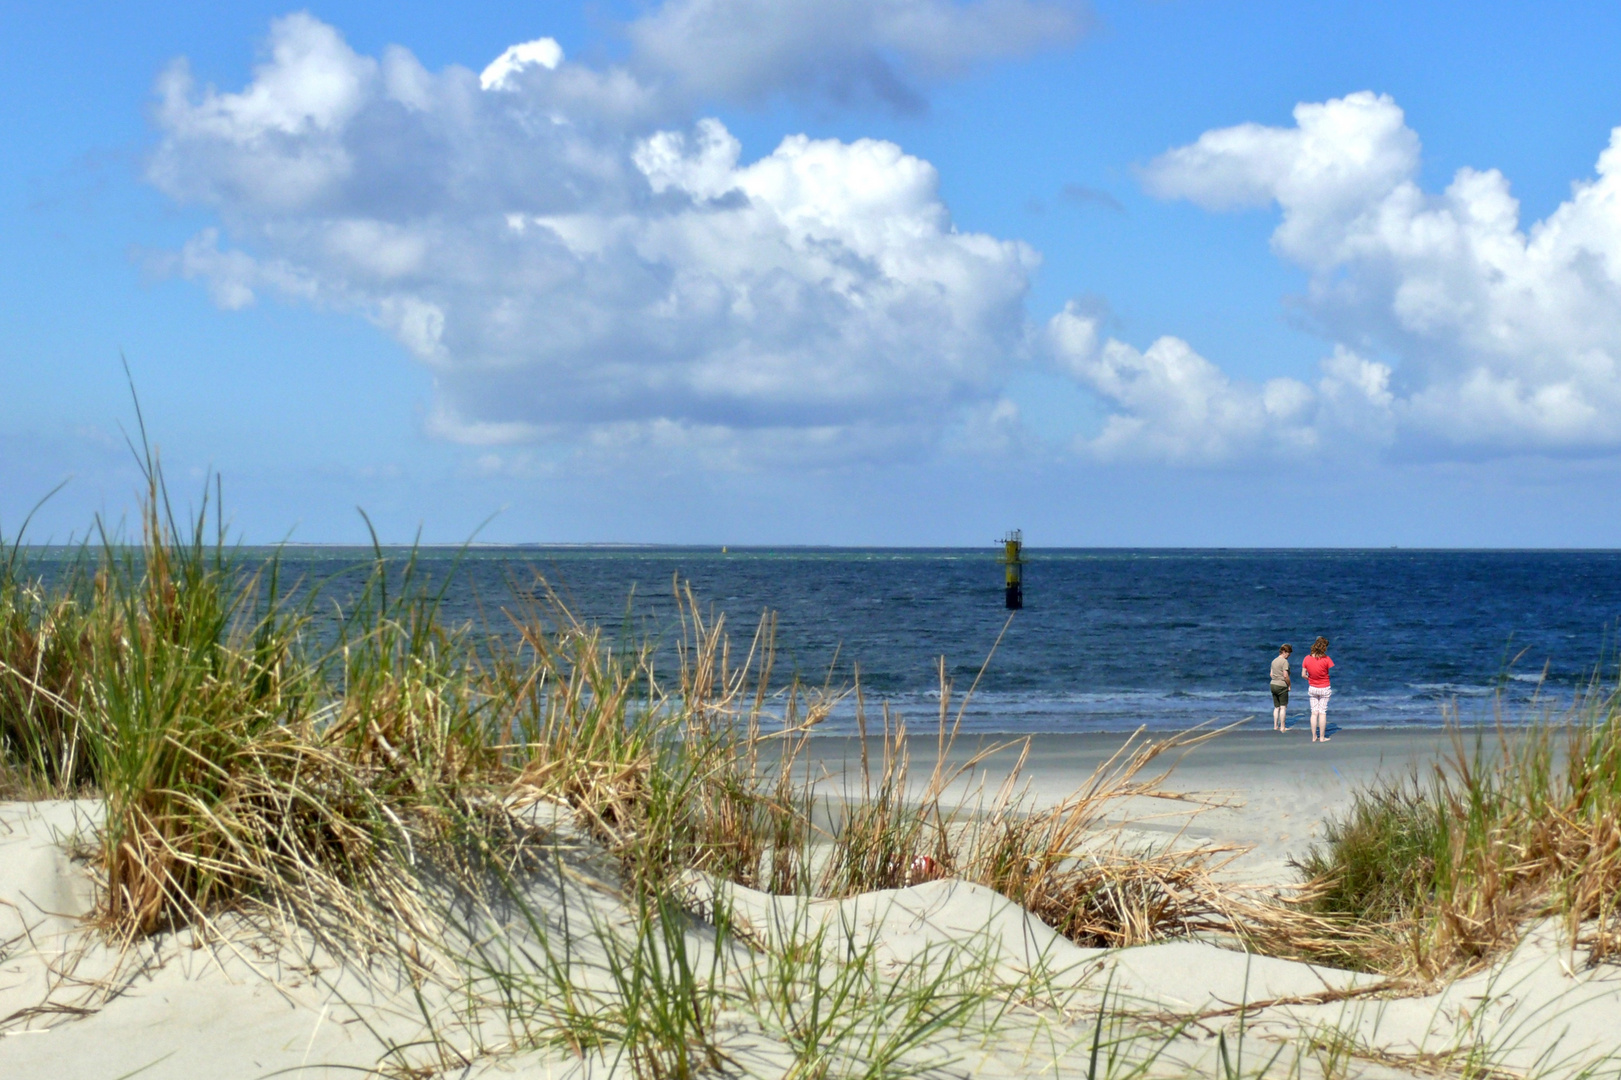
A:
(240, 757)
(1439, 872)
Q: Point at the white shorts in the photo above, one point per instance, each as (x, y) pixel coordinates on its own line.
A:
(1319, 697)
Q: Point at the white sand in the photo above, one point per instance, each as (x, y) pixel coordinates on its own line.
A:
(72, 1007)
(1266, 792)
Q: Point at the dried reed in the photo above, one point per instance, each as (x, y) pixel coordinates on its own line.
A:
(1437, 874)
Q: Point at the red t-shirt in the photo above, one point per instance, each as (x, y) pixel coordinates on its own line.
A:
(1316, 668)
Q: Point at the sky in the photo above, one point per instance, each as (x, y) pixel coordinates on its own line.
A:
(888, 272)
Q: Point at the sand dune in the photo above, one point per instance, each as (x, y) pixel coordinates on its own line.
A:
(258, 1001)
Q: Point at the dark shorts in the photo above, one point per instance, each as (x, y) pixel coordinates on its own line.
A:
(1280, 695)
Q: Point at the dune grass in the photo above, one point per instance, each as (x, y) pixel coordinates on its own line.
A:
(1440, 872)
(241, 757)
(642, 984)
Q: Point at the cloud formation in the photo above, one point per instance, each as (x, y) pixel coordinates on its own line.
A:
(1502, 338)
(570, 270)
(1168, 404)
(502, 72)
(581, 260)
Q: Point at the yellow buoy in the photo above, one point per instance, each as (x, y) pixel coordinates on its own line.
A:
(1013, 559)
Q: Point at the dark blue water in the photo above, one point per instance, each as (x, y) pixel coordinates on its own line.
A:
(1108, 639)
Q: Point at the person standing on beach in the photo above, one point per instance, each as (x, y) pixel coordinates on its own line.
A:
(1315, 669)
(1280, 687)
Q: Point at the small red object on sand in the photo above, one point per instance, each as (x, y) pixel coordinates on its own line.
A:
(923, 868)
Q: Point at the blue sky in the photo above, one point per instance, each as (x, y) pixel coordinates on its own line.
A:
(1166, 272)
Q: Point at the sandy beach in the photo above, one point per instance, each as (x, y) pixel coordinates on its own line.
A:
(255, 1004)
(1264, 792)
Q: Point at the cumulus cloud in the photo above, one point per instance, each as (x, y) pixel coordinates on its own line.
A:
(1504, 337)
(571, 272)
(745, 50)
(502, 71)
(581, 260)
(1169, 404)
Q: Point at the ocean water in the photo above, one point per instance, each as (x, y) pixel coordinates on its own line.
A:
(1108, 639)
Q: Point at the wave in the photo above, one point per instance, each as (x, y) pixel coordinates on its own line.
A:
(1030, 712)
(1462, 689)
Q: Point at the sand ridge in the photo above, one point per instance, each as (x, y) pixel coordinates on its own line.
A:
(73, 1006)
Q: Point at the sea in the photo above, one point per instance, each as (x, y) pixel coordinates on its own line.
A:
(1107, 640)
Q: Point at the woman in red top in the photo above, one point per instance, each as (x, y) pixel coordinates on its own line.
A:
(1315, 669)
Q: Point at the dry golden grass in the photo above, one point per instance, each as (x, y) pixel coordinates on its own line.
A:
(241, 761)
(1438, 874)
(1067, 865)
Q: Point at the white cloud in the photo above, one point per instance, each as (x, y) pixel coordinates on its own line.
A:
(1325, 172)
(277, 143)
(746, 50)
(571, 274)
(1172, 405)
(1506, 338)
(581, 262)
(499, 75)
(1355, 398)
(231, 276)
